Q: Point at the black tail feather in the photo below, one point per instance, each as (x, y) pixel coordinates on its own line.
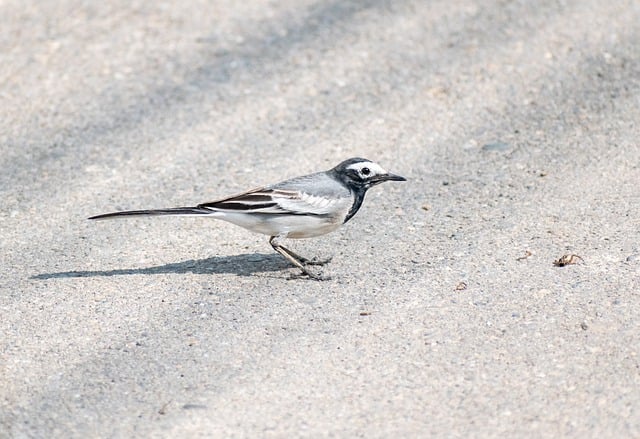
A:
(155, 212)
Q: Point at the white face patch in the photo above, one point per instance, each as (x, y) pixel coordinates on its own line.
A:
(367, 170)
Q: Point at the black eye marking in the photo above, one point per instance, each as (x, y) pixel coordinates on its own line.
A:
(366, 171)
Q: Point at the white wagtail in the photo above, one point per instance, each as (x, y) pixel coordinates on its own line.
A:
(301, 207)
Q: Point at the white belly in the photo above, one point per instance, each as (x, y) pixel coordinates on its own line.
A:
(285, 226)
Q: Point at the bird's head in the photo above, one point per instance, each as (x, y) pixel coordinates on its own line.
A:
(361, 174)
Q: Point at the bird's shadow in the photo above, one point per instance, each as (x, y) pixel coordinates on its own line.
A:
(241, 265)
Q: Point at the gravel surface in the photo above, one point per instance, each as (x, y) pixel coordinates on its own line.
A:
(516, 123)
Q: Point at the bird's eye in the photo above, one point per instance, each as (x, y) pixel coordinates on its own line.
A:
(366, 171)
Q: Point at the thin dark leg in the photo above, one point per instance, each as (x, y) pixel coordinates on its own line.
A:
(294, 259)
(305, 261)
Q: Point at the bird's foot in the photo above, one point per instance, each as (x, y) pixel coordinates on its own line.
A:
(306, 274)
(316, 261)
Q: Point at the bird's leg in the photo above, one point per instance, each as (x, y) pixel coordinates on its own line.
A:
(305, 261)
(287, 254)
(294, 259)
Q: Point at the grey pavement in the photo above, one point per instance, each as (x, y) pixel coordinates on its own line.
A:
(517, 124)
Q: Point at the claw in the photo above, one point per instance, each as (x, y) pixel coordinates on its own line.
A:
(316, 261)
(299, 261)
(309, 275)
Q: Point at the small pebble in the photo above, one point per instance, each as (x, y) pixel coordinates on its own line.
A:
(496, 146)
(194, 406)
(461, 286)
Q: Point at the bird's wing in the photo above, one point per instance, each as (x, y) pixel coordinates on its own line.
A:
(267, 200)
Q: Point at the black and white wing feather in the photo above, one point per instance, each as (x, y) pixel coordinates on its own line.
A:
(274, 202)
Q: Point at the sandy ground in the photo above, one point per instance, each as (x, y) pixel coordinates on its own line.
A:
(516, 123)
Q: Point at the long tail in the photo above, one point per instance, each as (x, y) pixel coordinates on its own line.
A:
(155, 212)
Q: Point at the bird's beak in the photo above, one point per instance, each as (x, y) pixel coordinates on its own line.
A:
(385, 177)
(390, 177)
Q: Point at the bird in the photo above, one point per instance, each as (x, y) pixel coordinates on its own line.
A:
(301, 207)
